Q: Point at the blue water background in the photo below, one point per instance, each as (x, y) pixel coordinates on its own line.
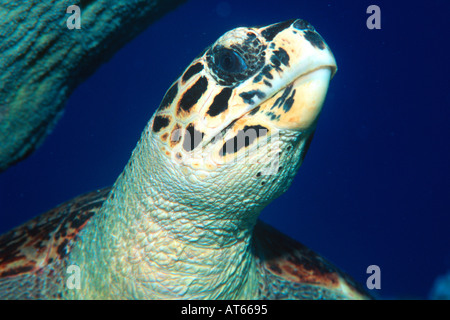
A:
(374, 187)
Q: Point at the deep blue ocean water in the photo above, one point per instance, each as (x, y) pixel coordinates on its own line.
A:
(374, 188)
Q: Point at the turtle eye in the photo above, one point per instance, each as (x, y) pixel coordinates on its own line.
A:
(230, 61)
(236, 62)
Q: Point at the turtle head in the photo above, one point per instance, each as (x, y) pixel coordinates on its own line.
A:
(243, 113)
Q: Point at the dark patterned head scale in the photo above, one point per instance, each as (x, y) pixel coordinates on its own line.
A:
(232, 63)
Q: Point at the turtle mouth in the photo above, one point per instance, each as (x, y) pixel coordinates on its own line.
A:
(332, 68)
(297, 80)
(297, 103)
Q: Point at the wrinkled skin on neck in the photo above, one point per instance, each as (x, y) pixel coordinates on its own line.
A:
(228, 138)
(160, 237)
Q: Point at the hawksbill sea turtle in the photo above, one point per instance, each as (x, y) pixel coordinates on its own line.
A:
(181, 221)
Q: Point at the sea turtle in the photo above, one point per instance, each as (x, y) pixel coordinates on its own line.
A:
(181, 221)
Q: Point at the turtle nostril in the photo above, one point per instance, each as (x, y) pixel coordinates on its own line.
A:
(301, 24)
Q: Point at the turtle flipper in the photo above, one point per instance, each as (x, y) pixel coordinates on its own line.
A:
(32, 263)
(292, 271)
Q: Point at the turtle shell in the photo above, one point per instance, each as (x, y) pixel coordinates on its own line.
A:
(290, 270)
(32, 255)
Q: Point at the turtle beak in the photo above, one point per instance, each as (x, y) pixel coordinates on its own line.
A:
(305, 99)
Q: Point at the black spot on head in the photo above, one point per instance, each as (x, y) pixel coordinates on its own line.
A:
(193, 70)
(280, 101)
(258, 174)
(160, 122)
(248, 96)
(301, 24)
(315, 39)
(273, 116)
(220, 103)
(254, 111)
(258, 78)
(270, 32)
(168, 97)
(276, 63)
(192, 138)
(282, 55)
(191, 97)
(243, 139)
(289, 102)
(265, 72)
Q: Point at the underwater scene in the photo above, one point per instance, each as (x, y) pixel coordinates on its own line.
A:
(353, 95)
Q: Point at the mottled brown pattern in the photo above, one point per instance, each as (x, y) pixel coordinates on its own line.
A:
(293, 263)
(44, 239)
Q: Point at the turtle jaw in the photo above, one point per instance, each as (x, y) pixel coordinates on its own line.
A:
(298, 105)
